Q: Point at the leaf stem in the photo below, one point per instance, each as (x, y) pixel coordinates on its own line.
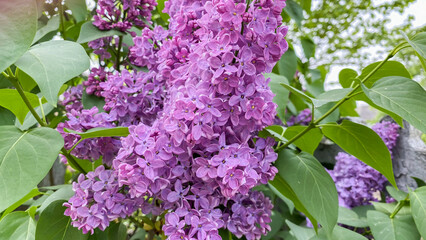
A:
(341, 101)
(399, 206)
(61, 19)
(117, 61)
(71, 159)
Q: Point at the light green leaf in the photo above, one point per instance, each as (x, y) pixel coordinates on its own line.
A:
(390, 68)
(339, 233)
(346, 77)
(53, 63)
(351, 218)
(90, 101)
(312, 185)
(275, 131)
(78, 9)
(101, 132)
(331, 96)
(280, 185)
(308, 46)
(26, 81)
(363, 143)
(388, 208)
(289, 203)
(308, 142)
(418, 209)
(348, 108)
(402, 227)
(18, 21)
(25, 158)
(160, 8)
(54, 225)
(287, 65)
(294, 10)
(52, 25)
(10, 99)
(30, 195)
(398, 195)
(64, 193)
(402, 96)
(418, 42)
(281, 94)
(89, 33)
(17, 226)
(306, 5)
(301, 233)
(297, 92)
(320, 111)
(30, 121)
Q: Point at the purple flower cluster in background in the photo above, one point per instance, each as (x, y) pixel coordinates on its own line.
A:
(122, 15)
(355, 181)
(304, 118)
(193, 149)
(72, 99)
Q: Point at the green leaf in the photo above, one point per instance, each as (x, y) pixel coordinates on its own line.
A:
(418, 209)
(281, 94)
(275, 131)
(101, 132)
(394, 116)
(18, 21)
(30, 121)
(30, 195)
(289, 203)
(10, 99)
(418, 43)
(351, 218)
(388, 208)
(287, 65)
(115, 231)
(331, 96)
(25, 158)
(17, 226)
(89, 33)
(398, 228)
(320, 111)
(90, 101)
(26, 81)
(308, 46)
(53, 63)
(363, 143)
(280, 185)
(308, 142)
(297, 92)
(301, 233)
(339, 233)
(54, 225)
(348, 108)
(396, 194)
(160, 8)
(390, 68)
(312, 185)
(52, 25)
(306, 5)
(346, 77)
(420, 182)
(64, 193)
(294, 11)
(402, 96)
(276, 224)
(6, 117)
(78, 9)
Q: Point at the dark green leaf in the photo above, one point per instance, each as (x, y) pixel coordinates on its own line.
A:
(390, 68)
(25, 158)
(308, 142)
(348, 108)
(276, 224)
(312, 185)
(281, 94)
(346, 77)
(418, 42)
(54, 225)
(64, 193)
(30, 121)
(53, 63)
(52, 25)
(402, 96)
(10, 99)
(26, 81)
(289, 203)
(90, 101)
(275, 131)
(420, 182)
(6, 117)
(294, 11)
(78, 9)
(115, 231)
(17, 226)
(320, 111)
(398, 228)
(89, 33)
(351, 218)
(101, 132)
(301, 233)
(30, 195)
(418, 209)
(18, 21)
(287, 65)
(363, 143)
(280, 185)
(339, 233)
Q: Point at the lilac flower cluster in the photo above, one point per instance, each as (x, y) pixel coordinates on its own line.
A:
(304, 118)
(92, 84)
(98, 200)
(91, 149)
(355, 181)
(122, 15)
(72, 99)
(192, 148)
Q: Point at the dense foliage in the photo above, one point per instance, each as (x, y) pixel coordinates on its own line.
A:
(185, 119)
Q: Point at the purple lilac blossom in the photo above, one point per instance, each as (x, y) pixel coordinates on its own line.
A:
(304, 118)
(72, 99)
(199, 155)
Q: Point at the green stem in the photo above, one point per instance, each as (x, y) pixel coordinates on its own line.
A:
(399, 206)
(348, 96)
(42, 111)
(61, 19)
(117, 61)
(71, 159)
(135, 221)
